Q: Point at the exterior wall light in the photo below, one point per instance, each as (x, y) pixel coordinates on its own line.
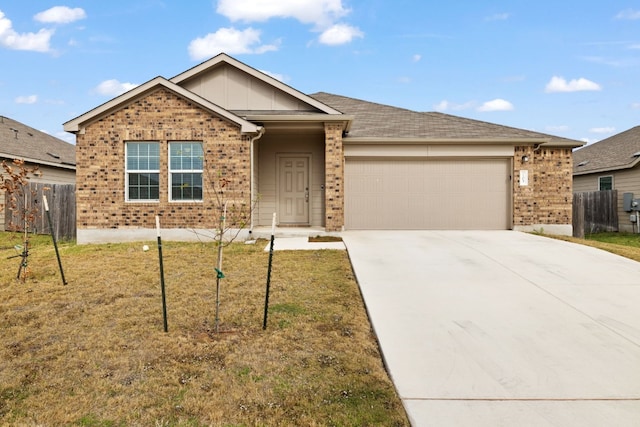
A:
(525, 158)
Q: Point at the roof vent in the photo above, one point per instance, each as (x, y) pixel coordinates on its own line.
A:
(583, 163)
(55, 156)
(636, 154)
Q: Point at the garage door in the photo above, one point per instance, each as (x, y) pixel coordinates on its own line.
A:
(439, 194)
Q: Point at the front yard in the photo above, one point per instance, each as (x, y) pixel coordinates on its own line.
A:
(94, 353)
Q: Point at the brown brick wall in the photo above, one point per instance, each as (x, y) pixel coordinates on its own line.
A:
(334, 187)
(548, 197)
(160, 116)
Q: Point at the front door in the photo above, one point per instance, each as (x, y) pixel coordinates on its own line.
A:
(293, 190)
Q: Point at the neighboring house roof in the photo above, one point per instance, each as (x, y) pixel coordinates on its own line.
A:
(75, 125)
(377, 121)
(621, 151)
(20, 141)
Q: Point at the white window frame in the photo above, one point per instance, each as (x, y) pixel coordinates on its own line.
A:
(128, 172)
(173, 171)
(600, 182)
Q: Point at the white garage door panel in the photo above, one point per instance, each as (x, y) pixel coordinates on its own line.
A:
(427, 194)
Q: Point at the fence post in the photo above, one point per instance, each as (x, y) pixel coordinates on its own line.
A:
(578, 215)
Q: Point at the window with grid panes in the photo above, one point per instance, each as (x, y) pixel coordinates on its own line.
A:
(185, 171)
(142, 171)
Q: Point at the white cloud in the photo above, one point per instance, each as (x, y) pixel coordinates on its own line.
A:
(603, 130)
(279, 77)
(557, 129)
(60, 15)
(445, 105)
(635, 105)
(559, 84)
(339, 34)
(322, 13)
(416, 58)
(496, 105)
(9, 38)
(498, 17)
(29, 99)
(629, 14)
(113, 87)
(228, 40)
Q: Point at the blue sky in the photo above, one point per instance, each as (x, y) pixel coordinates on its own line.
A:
(569, 68)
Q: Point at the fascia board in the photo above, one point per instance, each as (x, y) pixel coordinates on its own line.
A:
(607, 169)
(39, 162)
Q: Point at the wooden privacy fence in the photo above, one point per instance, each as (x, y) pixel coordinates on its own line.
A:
(62, 207)
(594, 212)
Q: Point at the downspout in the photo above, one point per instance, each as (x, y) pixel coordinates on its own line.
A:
(261, 131)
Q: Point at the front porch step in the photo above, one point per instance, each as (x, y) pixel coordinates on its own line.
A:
(265, 232)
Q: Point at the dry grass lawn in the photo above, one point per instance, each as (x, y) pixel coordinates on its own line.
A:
(623, 244)
(94, 353)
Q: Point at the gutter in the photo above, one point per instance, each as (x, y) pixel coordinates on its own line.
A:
(62, 165)
(252, 191)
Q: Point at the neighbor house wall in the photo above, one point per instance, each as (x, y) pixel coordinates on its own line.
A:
(625, 181)
(545, 204)
(164, 117)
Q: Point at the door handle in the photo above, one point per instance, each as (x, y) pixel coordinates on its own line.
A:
(306, 194)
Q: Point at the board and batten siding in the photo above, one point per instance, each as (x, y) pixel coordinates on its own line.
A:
(625, 181)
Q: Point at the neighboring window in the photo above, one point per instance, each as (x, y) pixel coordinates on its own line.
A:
(143, 171)
(185, 170)
(605, 183)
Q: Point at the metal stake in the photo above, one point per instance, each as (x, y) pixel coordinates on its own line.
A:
(164, 300)
(53, 237)
(266, 299)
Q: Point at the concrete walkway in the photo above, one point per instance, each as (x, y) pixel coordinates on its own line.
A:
(501, 328)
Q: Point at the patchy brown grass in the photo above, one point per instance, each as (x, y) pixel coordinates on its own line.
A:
(623, 244)
(94, 353)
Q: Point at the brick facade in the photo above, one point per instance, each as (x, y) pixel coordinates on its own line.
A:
(334, 177)
(547, 199)
(164, 117)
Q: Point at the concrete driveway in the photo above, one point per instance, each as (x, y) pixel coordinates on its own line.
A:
(501, 328)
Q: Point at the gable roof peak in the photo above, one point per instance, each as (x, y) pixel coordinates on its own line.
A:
(224, 59)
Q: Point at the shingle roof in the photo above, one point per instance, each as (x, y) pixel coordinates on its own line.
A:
(383, 121)
(619, 151)
(21, 141)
